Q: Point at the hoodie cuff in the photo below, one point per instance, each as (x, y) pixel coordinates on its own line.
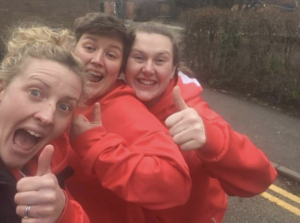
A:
(214, 146)
(70, 213)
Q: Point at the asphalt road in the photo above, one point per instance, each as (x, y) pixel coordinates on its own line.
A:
(277, 134)
(261, 210)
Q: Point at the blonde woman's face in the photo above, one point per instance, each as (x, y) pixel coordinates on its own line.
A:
(35, 108)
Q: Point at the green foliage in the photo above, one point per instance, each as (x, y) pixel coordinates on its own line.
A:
(254, 51)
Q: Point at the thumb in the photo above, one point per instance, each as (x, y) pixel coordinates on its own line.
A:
(45, 160)
(178, 100)
(97, 114)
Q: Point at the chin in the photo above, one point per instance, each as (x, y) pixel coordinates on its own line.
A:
(143, 99)
(144, 96)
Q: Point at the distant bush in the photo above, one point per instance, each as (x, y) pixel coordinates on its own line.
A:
(254, 51)
(146, 11)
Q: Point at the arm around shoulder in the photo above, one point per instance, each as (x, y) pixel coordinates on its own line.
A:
(143, 166)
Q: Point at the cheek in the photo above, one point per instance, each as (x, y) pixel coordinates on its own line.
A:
(61, 125)
(166, 74)
(132, 66)
(113, 70)
(14, 107)
(82, 56)
(129, 76)
(132, 71)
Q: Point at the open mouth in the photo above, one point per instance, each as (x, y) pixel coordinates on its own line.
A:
(25, 139)
(94, 76)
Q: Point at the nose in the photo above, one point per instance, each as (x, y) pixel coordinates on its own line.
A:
(45, 116)
(148, 69)
(97, 58)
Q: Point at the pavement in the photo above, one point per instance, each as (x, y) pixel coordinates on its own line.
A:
(284, 171)
(274, 132)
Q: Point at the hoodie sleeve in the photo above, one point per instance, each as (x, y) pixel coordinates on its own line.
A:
(138, 161)
(241, 168)
(73, 212)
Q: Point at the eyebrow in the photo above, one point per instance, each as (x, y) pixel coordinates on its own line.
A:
(38, 79)
(49, 87)
(69, 98)
(134, 49)
(165, 52)
(111, 45)
(116, 47)
(91, 38)
(140, 51)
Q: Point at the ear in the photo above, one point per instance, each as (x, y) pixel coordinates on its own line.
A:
(1, 90)
(1, 95)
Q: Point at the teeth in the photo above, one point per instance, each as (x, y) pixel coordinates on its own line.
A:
(33, 133)
(147, 82)
(95, 73)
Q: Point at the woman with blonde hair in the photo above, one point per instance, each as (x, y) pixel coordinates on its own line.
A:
(41, 83)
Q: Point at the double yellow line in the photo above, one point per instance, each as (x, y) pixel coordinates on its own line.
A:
(282, 203)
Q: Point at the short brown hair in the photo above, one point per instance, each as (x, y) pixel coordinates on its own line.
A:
(103, 25)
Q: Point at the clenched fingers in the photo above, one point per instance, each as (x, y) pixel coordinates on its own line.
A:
(36, 211)
(174, 119)
(194, 139)
(44, 196)
(36, 183)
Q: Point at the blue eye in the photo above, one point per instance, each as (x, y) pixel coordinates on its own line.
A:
(64, 107)
(35, 93)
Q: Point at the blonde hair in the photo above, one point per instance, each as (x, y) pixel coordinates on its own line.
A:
(39, 42)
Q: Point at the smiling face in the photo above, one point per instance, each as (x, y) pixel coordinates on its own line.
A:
(102, 57)
(149, 67)
(35, 108)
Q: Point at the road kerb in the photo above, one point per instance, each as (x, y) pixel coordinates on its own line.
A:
(287, 172)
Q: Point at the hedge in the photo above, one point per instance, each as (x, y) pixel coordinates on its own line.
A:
(256, 51)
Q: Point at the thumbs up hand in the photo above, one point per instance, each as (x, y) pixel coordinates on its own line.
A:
(81, 123)
(41, 193)
(185, 126)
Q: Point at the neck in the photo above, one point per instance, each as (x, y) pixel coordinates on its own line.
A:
(152, 102)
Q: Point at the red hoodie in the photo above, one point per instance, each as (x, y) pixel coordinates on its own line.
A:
(238, 165)
(134, 165)
(73, 212)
